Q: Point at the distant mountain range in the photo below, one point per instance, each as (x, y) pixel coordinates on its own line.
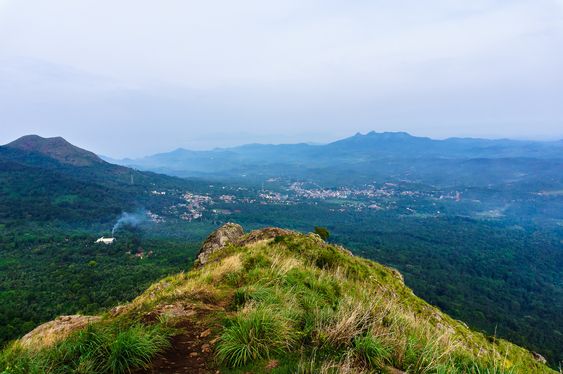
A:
(363, 158)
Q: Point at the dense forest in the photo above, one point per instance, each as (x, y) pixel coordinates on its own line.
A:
(45, 273)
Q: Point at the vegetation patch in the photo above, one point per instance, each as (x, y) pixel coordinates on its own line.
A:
(98, 348)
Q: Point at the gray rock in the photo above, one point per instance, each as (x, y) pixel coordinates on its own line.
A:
(218, 239)
(539, 357)
(51, 332)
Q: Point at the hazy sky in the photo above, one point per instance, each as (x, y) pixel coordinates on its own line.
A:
(132, 77)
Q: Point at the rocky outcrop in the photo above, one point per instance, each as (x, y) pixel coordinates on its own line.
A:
(234, 233)
(539, 358)
(53, 331)
(219, 238)
(262, 234)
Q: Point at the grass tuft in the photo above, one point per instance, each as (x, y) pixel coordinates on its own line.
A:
(371, 351)
(255, 335)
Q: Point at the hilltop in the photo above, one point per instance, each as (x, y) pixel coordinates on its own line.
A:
(56, 148)
(274, 301)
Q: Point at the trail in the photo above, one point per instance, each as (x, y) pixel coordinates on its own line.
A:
(191, 351)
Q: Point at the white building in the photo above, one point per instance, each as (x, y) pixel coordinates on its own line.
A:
(105, 240)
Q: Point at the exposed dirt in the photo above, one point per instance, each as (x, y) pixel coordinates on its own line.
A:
(191, 351)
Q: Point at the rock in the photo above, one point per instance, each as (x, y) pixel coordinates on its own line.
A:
(175, 311)
(539, 357)
(53, 331)
(115, 311)
(194, 354)
(263, 234)
(397, 274)
(205, 334)
(342, 249)
(218, 239)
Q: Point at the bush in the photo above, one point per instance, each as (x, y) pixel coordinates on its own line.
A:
(322, 232)
(134, 348)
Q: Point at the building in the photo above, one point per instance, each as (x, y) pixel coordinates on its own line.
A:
(105, 240)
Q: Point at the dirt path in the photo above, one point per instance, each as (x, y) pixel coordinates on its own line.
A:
(191, 351)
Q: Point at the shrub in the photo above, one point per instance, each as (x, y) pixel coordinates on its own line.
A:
(322, 232)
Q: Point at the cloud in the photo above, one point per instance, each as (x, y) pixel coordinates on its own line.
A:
(177, 72)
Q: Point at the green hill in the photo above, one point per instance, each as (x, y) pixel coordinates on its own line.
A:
(269, 301)
(49, 180)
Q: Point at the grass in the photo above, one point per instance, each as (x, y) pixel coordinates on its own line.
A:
(295, 300)
(371, 351)
(99, 348)
(344, 315)
(254, 335)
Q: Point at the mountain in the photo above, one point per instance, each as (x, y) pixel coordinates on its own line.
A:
(46, 179)
(56, 148)
(269, 301)
(365, 158)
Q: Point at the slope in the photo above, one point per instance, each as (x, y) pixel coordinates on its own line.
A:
(56, 148)
(46, 179)
(274, 301)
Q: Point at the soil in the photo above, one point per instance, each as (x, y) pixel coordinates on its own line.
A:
(191, 350)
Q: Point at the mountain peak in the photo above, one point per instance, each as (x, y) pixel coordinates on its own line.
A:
(57, 148)
(381, 140)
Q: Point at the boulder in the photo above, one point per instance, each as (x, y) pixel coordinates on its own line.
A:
(218, 239)
(54, 331)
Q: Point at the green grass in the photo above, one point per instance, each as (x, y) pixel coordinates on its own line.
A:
(99, 348)
(347, 315)
(254, 335)
(371, 351)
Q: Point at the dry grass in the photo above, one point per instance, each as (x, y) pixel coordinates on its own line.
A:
(352, 318)
(216, 273)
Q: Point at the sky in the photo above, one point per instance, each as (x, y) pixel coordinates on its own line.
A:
(134, 77)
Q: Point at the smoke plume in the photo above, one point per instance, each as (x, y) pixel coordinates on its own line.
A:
(129, 219)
